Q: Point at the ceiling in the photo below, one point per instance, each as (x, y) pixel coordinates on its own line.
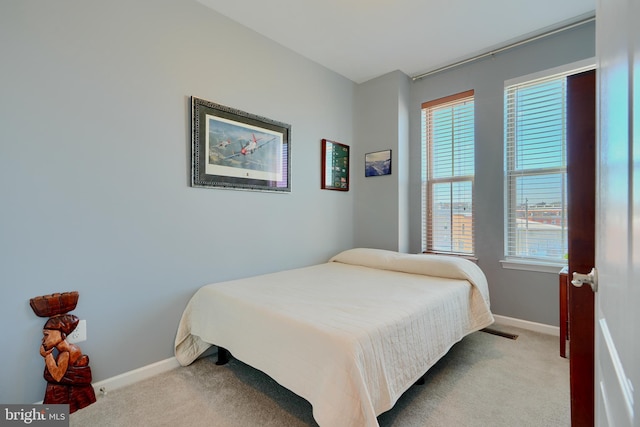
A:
(363, 39)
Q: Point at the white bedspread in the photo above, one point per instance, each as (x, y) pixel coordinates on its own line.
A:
(351, 335)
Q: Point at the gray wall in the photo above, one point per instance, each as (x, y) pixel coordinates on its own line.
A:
(94, 165)
(382, 203)
(524, 295)
(94, 172)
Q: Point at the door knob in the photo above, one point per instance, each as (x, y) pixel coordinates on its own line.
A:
(591, 278)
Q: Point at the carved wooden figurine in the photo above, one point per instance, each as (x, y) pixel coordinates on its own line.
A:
(66, 369)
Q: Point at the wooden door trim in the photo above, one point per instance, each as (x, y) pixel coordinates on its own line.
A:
(581, 186)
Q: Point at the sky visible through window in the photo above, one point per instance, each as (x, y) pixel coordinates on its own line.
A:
(452, 169)
(536, 163)
(540, 142)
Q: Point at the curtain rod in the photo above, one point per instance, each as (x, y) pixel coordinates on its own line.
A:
(507, 47)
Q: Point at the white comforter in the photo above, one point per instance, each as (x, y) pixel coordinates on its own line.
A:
(351, 335)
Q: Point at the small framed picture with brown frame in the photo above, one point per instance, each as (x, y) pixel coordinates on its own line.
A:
(335, 166)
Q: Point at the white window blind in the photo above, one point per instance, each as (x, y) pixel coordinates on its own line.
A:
(448, 144)
(536, 170)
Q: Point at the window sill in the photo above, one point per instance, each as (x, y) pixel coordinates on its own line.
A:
(528, 265)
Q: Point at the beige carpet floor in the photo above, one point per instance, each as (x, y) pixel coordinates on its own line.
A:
(484, 380)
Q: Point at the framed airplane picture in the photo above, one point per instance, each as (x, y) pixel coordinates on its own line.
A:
(234, 149)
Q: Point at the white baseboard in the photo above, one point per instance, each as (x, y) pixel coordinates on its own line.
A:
(105, 386)
(525, 324)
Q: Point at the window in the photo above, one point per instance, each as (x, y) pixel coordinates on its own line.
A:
(536, 169)
(447, 176)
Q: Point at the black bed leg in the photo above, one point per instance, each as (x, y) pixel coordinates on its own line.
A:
(223, 356)
(420, 381)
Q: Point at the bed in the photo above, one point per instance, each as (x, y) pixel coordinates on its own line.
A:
(350, 335)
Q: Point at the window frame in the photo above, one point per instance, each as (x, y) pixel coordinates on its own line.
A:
(428, 181)
(533, 263)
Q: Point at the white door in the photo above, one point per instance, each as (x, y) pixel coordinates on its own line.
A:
(617, 303)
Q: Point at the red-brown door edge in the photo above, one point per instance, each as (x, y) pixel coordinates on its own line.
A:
(581, 172)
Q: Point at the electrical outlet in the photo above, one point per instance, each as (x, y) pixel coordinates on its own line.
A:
(79, 334)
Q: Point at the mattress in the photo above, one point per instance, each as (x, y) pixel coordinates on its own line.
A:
(350, 335)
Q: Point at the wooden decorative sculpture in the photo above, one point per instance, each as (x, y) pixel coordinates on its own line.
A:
(66, 369)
